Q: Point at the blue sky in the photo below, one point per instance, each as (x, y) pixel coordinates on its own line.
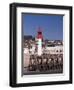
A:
(51, 25)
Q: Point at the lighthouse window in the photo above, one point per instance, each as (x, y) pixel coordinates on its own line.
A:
(39, 32)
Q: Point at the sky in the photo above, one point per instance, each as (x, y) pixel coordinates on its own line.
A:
(51, 25)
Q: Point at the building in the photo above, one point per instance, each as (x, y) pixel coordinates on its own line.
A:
(54, 49)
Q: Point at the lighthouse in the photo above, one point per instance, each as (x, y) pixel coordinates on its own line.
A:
(39, 42)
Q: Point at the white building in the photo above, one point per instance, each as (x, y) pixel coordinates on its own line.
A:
(54, 50)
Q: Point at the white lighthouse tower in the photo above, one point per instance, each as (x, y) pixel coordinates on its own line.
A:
(39, 42)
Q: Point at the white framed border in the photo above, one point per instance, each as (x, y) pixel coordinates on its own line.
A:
(43, 77)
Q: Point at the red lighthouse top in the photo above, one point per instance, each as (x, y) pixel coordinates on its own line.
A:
(39, 35)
